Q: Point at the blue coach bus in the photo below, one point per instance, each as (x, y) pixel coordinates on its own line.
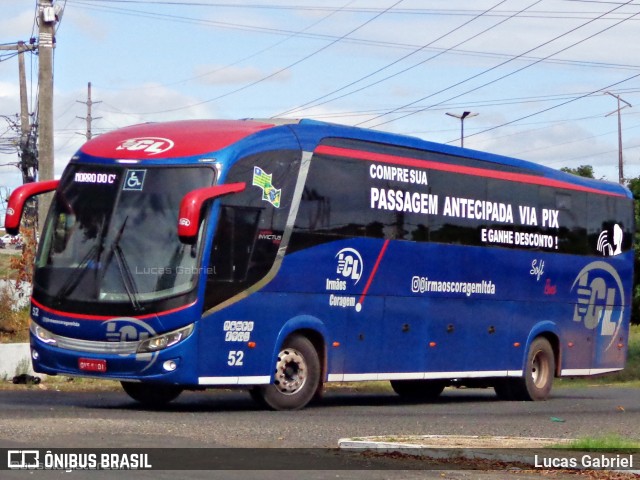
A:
(277, 256)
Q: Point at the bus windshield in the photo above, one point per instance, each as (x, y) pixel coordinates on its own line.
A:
(111, 238)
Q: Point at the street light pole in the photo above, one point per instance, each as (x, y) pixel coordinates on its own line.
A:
(462, 117)
(620, 159)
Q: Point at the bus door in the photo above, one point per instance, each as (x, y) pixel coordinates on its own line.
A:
(238, 309)
(233, 247)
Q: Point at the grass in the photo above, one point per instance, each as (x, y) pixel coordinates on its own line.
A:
(14, 324)
(612, 443)
(5, 259)
(63, 383)
(377, 386)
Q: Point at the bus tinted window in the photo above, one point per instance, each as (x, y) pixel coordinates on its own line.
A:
(251, 223)
(378, 191)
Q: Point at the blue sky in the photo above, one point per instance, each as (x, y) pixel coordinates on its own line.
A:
(534, 71)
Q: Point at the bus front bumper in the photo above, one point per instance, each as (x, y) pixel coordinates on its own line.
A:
(168, 363)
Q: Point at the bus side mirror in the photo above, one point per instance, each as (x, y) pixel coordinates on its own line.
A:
(191, 208)
(19, 197)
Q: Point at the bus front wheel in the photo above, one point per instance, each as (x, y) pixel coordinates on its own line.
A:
(151, 395)
(296, 376)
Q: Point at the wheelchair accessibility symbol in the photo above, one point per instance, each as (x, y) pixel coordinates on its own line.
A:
(134, 180)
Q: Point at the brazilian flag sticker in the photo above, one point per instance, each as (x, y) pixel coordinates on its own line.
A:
(270, 193)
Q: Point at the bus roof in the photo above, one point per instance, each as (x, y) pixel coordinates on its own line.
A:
(171, 139)
(324, 130)
(188, 138)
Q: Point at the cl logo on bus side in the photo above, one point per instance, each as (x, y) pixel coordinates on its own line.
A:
(148, 145)
(350, 264)
(600, 299)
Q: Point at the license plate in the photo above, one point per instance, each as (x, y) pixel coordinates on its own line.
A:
(92, 365)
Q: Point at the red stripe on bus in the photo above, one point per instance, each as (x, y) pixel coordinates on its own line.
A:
(445, 167)
(373, 272)
(82, 316)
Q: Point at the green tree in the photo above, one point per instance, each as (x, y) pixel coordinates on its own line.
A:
(634, 186)
(582, 171)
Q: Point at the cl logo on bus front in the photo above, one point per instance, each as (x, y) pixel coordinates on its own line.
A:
(148, 145)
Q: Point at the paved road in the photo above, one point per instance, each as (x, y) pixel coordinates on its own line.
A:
(50, 419)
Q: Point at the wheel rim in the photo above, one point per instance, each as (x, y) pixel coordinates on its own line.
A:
(539, 369)
(291, 371)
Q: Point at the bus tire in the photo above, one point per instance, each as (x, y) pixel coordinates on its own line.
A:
(151, 395)
(296, 376)
(423, 390)
(538, 373)
(256, 395)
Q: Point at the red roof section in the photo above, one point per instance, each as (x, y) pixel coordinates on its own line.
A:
(171, 139)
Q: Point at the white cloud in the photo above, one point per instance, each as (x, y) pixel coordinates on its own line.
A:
(18, 25)
(86, 24)
(10, 96)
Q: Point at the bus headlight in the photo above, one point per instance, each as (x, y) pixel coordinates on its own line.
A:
(165, 340)
(43, 335)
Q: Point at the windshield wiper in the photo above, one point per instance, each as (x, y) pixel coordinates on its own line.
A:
(127, 279)
(124, 269)
(73, 280)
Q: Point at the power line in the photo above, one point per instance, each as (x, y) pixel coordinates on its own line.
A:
(259, 52)
(312, 104)
(558, 105)
(277, 72)
(577, 140)
(317, 36)
(479, 103)
(547, 14)
(500, 65)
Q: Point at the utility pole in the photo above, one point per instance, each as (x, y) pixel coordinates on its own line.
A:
(28, 153)
(88, 118)
(462, 117)
(47, 17)
(25, 127)
(28, 163)
(620, 159)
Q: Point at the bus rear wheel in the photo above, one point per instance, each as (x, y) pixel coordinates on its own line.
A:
(537, 380)
(296, 376)
(423, 390)
(151, 395)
